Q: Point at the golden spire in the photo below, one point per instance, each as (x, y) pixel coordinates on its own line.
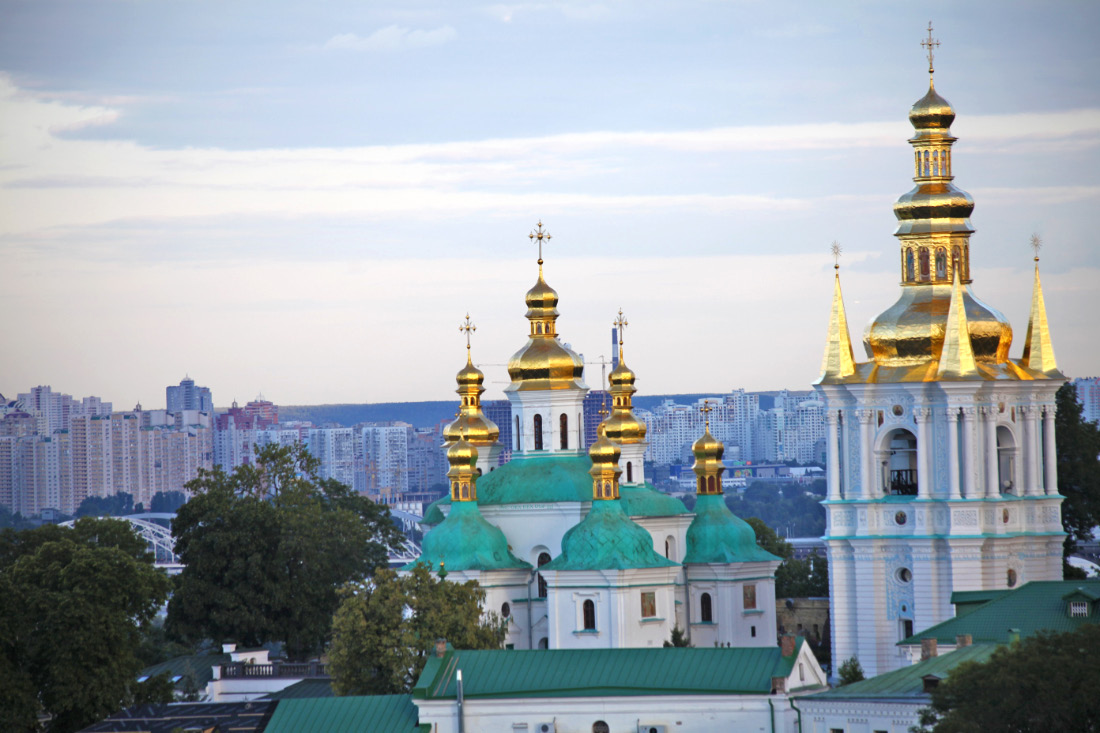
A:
(605, 470)
(620, 325)
(930, 44)
(470, 422)
(957, 355)
(838, 361)
(467, 327)
(1038, 352)
(708, 453)
(623, 427)
(463, 473)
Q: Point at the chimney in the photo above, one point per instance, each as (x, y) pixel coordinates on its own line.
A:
(440, 647)
(779, 685)
(927, 649)
(1013, 636)
(786, 644)
(963, 640)
(229, 648)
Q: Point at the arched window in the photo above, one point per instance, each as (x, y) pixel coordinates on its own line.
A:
(667, 550)
(924, 264)
(935, 162)
(712, 485)
(702, 484)
(706, 612)
(544, 557)
(629, 472)
(926, 164)
(670, 548)
(564, 426)
(519, 442)
(538, 432)
(956, 261)
(909, 265)
(538, 328)
(544, 643)
(589, 615)
(941, 263)
(600, 727)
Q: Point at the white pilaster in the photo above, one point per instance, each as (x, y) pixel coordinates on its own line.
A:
(1031, 442)
(1050, 455)
(989, 415)
(952, 414)
(866, 454)
(924, 453)
(833, 456)
(970, 464)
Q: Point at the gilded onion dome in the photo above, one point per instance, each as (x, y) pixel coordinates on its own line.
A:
(708, 452)
(605, 470)
(544, 362)
(623, 427)
(934, 234)
(471, 421)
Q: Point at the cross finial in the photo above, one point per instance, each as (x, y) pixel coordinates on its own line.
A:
(468, 327)
(620, 323)
(706, 410)
(930, 44)
(1036, 245)
(836, 249)
(539, 235)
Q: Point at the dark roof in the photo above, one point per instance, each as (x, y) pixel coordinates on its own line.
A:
(199, 667)
(303, 689)
(604, 672)
(907, 682)
(239, 717)
(377, 714)
(1036, 606)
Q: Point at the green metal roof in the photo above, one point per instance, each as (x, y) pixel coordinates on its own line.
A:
(603, 672)
(303, 689)
(908, 682)
(466, 541)
(1035, 606)
(646, 501)
(377, 713)
(718, 535)
(607, 539)
(537, 479)
(198, 667)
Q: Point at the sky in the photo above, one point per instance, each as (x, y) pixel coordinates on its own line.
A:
(304, 200)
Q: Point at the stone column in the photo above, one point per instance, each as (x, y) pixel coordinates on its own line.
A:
(833, 455)
(1031, 420)
(969, 462)
(952, 414)
(866, 453)
(1050, 454)
(989, 415)
(924, 453)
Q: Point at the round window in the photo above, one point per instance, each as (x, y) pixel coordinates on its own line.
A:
(1011, 578)
(505, 611)
(901, 518)
(898, 410)
(904, 575)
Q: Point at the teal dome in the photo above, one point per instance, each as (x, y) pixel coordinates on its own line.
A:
(466, 541)
(537, 479)
(646, 501)
(717, 535)
(607, 539)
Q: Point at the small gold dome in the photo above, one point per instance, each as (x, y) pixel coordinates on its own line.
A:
(708, 452)
(541, 299)
(463, 458)
(932, 113)
(622, 376)
(478, 429)
(604, 454)
(544, 362)
(623, 427)
(469, 376)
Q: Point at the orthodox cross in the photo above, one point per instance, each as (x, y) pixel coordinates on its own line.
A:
(706, 410)
(1036, 244)
(468, 328)
(539, 235)
(836, 249)
(930, 44)
(620, 323)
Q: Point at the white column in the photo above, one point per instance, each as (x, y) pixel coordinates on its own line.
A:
(970, 464)
(953, 451)
(992, 490)
(866, 467)
(833, 456)
(1050, 454)
(1031, 420)
(924, 453)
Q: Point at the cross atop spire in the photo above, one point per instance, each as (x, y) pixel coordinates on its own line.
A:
(706, 409)
(836, 249)
(539, 235)
(1036, 245)
(468, 327)
(620, 323)
(930, 45)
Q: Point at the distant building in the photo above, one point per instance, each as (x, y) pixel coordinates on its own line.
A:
(264, 411)
(1088, 392)
(187, 396)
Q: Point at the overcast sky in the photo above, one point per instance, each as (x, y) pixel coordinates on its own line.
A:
(305, 199)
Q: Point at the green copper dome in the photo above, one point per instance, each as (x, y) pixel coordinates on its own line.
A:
(607, 539)
(646, 501)
(466, 541)
(717, 535)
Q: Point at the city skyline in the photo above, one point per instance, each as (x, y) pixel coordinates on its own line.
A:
(289, 212)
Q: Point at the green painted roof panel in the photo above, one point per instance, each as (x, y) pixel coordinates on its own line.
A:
(717, 535)
(646, 501)
(908, 681)
(607, 539)
(465, 540)
(376, 713)
(537, 479)
(603, 672)
(1035, 606)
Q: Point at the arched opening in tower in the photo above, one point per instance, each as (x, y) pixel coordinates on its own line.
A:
(1006, 461)
(901, 463)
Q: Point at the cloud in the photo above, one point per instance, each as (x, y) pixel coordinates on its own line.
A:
(391, 38)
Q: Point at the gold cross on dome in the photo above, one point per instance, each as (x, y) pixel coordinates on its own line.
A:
(539, 235)
(930, 44)
(468, 327)
(620, 323)
(706, 409)
(1036, 245)
(836, 249)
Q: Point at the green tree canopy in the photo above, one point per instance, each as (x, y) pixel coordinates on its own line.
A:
(266, 548)
(808, 578)
(1078, 448)
(73, 604)
(851, 671)
(1048, 682)
(767, 538)
(385, 629)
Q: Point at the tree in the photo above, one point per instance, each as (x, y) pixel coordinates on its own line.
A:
(116, 505)
(73, 606)
(266, 548)
(808, 578)
(679, 638)
(1077, 449)
(851, 671)
(167, 501)
(769, 540)
(385, 629)
(1048, 682)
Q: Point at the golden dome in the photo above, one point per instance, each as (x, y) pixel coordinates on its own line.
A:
(471, 421)
(604, 454)
(911, 332)
(623, 426)
(931, 113)
(463, 458)
(470, 376)
(622, 376)
(544, 362)
(708, 452)
(477, 428)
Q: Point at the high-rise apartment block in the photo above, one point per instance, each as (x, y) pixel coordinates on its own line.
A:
(187, 396)
(1088, 392)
